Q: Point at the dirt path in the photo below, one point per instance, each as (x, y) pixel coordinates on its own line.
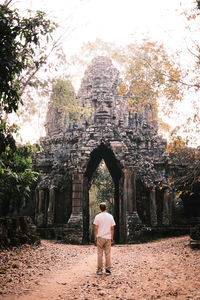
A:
(166, 269)
(58, 285)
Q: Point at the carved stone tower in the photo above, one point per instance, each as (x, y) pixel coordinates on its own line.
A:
(134, 154)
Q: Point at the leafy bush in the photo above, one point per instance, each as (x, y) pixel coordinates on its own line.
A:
(16, 177)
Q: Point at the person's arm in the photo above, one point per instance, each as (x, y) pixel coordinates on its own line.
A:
(112, 233)
(95, 233)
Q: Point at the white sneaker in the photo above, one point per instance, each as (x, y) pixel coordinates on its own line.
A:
(108, 272)
(99, 272)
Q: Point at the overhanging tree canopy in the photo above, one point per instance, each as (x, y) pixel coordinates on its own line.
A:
(19, 39)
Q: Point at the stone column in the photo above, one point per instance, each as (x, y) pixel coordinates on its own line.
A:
(132, 218)
(74, 228)
(165, 211)
(153, 213)
(50, 211)
(40, 208)
(130, 190)
(77, 193)
(40, 200)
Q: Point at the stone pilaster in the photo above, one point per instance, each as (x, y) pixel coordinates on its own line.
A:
(153, 213)
(39, 214)
(50, 211)
(132, 218)
(74, 228)
(130, 190)
(166, 211)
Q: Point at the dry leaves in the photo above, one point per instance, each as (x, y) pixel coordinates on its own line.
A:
(166, 269)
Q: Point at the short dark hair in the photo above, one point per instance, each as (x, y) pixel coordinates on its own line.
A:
(102, 206)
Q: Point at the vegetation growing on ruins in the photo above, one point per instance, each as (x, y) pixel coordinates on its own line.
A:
(64, 100)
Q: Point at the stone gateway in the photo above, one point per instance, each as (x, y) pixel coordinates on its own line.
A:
(132, 150)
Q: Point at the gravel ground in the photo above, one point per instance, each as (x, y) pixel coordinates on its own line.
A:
(165, 269)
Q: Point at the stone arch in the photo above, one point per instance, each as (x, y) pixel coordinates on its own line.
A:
(115, 169)
(113, 165)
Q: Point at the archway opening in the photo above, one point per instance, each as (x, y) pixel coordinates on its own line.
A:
(106, 156)
(101, 190)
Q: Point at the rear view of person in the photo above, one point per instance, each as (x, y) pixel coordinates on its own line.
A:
(103, 235)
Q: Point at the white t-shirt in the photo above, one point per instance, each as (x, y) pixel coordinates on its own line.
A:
(104, 221)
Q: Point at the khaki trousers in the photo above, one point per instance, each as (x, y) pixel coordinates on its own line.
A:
(103, 245)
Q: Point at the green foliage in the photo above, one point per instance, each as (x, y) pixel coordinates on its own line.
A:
(64, 99)
(19, 39)
(150, 74)
(16, 177)
(104, 187)
(6, 136)
(62, 92)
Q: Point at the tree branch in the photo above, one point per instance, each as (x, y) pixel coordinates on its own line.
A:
(172, 78)
(7, 2)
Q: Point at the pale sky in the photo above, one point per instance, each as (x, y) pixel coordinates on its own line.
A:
(119, 21)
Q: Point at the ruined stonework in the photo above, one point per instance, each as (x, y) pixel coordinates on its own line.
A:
(16, 231)
(131, 148)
